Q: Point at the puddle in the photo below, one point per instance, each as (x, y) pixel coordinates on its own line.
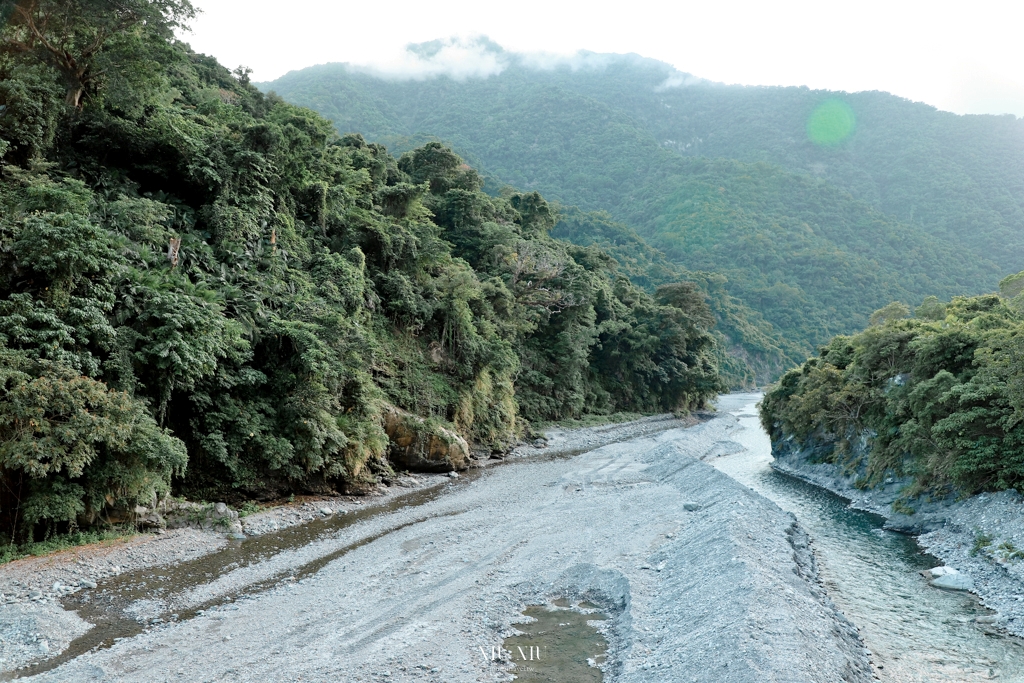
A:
(558, 646)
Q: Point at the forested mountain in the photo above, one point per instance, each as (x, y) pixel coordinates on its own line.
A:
(750, 351)
(206, 288)
(958, 177)
(817, 207)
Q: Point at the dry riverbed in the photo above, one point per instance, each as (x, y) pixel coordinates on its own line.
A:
(700, 579)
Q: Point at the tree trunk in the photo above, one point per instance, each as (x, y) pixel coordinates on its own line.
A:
(74, 96)
(75, 80)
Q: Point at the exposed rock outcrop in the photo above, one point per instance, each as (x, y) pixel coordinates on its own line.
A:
(217, 516)
(418, 444)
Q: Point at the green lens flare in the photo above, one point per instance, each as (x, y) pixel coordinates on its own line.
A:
(830, 123)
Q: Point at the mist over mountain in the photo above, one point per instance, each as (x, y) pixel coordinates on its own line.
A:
(818, 207)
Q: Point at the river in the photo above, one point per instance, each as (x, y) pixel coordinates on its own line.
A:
(915, 632)
(412, 591)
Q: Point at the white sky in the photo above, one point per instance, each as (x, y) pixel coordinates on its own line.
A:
(963, 57)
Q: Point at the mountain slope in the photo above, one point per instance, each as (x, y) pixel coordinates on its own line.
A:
(808, 244)
(958, 177)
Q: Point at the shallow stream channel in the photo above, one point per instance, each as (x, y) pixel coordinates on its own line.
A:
(914, 631)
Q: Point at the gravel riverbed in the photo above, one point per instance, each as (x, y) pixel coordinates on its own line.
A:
(702, 579)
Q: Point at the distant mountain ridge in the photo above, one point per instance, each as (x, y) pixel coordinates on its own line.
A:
(913, 202)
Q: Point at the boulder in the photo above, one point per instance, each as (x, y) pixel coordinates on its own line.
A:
(422, 445)
(148, 519)
(936, 572)
(223, 518)
(217, 517)
(953, 581)
(181, 513)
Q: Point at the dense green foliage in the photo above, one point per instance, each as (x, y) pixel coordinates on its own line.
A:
(958, 178)
(900, 201)
(750, 350)
(938, 396)
(205, 288)
(802, 253)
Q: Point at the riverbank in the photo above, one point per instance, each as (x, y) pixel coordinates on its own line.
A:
(35, 627)
(701, 578)
(33, 578)
(977, 536)
(917, 633)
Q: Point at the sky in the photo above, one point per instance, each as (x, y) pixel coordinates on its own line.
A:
(962, 57)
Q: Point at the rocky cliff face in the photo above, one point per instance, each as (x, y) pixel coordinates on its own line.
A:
(810, 460)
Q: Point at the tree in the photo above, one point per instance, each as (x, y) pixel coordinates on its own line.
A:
(893, 311)
(936, 398)
(688, 298)
(318, 282)
(1011, 285)
(931, 309)
(72, 36)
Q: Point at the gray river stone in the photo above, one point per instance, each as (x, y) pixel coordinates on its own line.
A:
(31, 631)
(953, 581)
(980, 535)
(727, 593)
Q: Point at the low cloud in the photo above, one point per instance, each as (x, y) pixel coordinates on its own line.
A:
(461, 58)
(678, 79)
(545, 61)
(458, 58)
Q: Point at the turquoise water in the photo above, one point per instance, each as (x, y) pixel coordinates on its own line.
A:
(915, 632)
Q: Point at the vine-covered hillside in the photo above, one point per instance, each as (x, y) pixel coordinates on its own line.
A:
(208, 290)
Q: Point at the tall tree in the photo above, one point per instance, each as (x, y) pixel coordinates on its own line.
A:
(73, 36)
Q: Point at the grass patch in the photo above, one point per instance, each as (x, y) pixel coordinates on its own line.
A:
(1010, 552)
(981, 541)
(589, 421)
(249, 507)
(901, 507)
(57, 543)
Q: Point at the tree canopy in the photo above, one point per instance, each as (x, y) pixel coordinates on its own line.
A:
(902, 202)
(88, 41)
(936, 397)
(207, 290)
